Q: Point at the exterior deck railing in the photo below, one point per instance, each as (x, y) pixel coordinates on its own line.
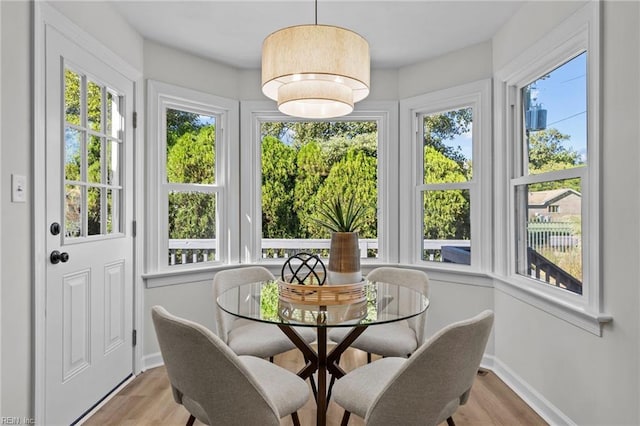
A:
(183, 251)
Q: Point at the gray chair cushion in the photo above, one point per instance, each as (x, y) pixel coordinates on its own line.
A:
(358, 389)
(263, 340)
(424, 389)
(246, 337)
(393, 339)
(215, 385)
(287, 391)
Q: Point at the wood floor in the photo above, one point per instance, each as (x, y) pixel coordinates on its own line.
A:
(147, 400)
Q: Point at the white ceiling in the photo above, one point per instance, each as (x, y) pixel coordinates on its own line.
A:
(400, 33)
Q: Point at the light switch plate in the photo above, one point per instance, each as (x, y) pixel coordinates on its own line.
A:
(18, 188)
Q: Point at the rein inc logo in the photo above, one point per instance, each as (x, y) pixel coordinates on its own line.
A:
(17, 421)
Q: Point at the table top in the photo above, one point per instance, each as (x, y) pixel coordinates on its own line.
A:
(384, 303)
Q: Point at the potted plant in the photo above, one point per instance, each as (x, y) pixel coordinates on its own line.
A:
(343, 219)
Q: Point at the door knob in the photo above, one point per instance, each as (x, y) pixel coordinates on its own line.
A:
(57, 257)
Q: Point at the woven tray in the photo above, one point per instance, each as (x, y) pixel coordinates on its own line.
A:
(308, 294)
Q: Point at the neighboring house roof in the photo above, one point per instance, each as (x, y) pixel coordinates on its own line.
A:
(544, 198)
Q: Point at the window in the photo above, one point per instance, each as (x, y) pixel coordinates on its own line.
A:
(553, 164)
(191, 150)
(306, 164)
(450, 161)
(547, 185)
(93, 136)
(290, 166)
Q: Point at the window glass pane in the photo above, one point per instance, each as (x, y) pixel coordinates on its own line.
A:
(94, 164)
(72, 157)
(94, 106)
(555, 117)
(113, 163)
(73, 211)
(448, 146)
(72, 103)
(306, 164)
(113, 210)
(192, 227)
(114, 117)
(190, 147)
(94, 211)
(552, 229)
(447, 226)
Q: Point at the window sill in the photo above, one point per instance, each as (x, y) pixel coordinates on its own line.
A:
(574, 314)
(183, 275)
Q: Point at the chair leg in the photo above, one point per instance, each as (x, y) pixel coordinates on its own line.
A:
(294, 417)
(271, 359)
(450, 421)
(368, 357)
(345, 418)
(191, 420)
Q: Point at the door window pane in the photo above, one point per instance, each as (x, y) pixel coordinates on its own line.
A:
(94, 106)
(94, 211)
(72, 157)
(73, 211)
(72, 104)
(94, 159)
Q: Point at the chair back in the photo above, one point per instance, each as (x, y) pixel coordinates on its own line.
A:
(438, 373)
(207, 377)
(230, 278)
(413, 278)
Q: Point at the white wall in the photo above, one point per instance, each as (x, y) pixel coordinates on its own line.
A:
(589, 379)
(15, 154)
(462, 66)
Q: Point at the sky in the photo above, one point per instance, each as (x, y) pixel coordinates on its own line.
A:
(562, 93)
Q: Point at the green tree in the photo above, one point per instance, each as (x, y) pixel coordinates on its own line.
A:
(355, 174)
(278, 186)
(192, 160)
(446, 212)
(439, 128)
(547, 153)
(312, 170)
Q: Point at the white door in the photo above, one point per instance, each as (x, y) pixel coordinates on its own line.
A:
(89, 205)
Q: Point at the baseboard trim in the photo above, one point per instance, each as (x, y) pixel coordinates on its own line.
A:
(152, 361)
(545, 409)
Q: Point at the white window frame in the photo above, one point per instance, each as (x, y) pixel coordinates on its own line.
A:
(162, 96)
(579, 33)
(476, 95)
(385, 113)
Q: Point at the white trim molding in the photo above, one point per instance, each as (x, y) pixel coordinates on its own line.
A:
(579, 33)
(160, 97)
(476, 95)
(385, 113)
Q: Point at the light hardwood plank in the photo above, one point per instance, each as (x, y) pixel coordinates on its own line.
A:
(147, 400)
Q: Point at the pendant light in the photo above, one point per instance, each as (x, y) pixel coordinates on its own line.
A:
(315, 71)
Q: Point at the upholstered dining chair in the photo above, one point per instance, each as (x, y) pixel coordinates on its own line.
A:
(397, 338)
(215, 385)
(425, 389)
(246, 337)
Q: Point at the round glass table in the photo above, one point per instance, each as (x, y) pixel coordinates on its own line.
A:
(381, 303)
